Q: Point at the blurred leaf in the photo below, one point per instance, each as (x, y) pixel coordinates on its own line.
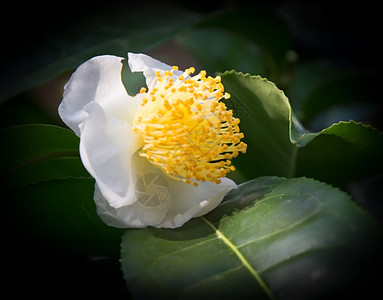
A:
(113, 33)
(22, 110)
(324, 93)
(279, 145)
(60, 215)
(355, 90)
(271, 237)
(48, 194)
(133, 81)
(35, 153)
(308, 76)
(219, 49)
(263, 27)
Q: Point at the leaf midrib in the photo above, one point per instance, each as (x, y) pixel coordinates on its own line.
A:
(240, 256)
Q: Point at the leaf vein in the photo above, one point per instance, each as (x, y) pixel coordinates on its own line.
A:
(285, 228)
(240, 256)
(184, 249)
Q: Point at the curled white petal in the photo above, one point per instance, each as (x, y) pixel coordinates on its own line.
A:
(162, 202)
(148, 65)
(97, 108)
(96, 80)
(135, 215)
(106, 147)
(194, 202)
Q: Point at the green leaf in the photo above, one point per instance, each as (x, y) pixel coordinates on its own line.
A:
(271, 238)
(341, 98)
(48, 194)
(342, 152)
(308, 77)
(35, 153)
(264, 113)
(279, 145)
(113, 32)
(261, 26)
(60, 215)
(217, 49)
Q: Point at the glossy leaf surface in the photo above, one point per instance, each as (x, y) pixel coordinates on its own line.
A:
(279, 145)
(270, 238)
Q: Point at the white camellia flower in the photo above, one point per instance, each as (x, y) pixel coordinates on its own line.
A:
(159, 158)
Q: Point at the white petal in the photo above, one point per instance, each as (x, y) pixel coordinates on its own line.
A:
(144, 63)
(190, 201)
(106, 147)
(162, 201)
(152, 198)
(98, 80)
(135, 215)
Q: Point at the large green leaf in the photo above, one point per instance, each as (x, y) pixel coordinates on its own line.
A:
(48, 194)
(271, 238)
(279, 145)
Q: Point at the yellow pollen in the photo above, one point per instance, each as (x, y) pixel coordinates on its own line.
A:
(187, 131)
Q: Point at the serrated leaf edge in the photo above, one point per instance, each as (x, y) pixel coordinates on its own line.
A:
(294, 123)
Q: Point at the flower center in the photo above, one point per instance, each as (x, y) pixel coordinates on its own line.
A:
(187, 131)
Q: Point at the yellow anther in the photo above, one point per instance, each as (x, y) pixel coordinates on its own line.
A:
(191, 70)
(182, 89)
(143, 90)
(144, 101)
(168, 86)
(186, 130)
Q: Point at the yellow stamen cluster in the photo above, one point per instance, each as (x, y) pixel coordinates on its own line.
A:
(187, 131)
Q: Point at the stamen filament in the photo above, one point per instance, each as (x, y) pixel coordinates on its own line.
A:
(186, 130)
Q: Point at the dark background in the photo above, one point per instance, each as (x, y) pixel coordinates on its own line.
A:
(326, 29)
